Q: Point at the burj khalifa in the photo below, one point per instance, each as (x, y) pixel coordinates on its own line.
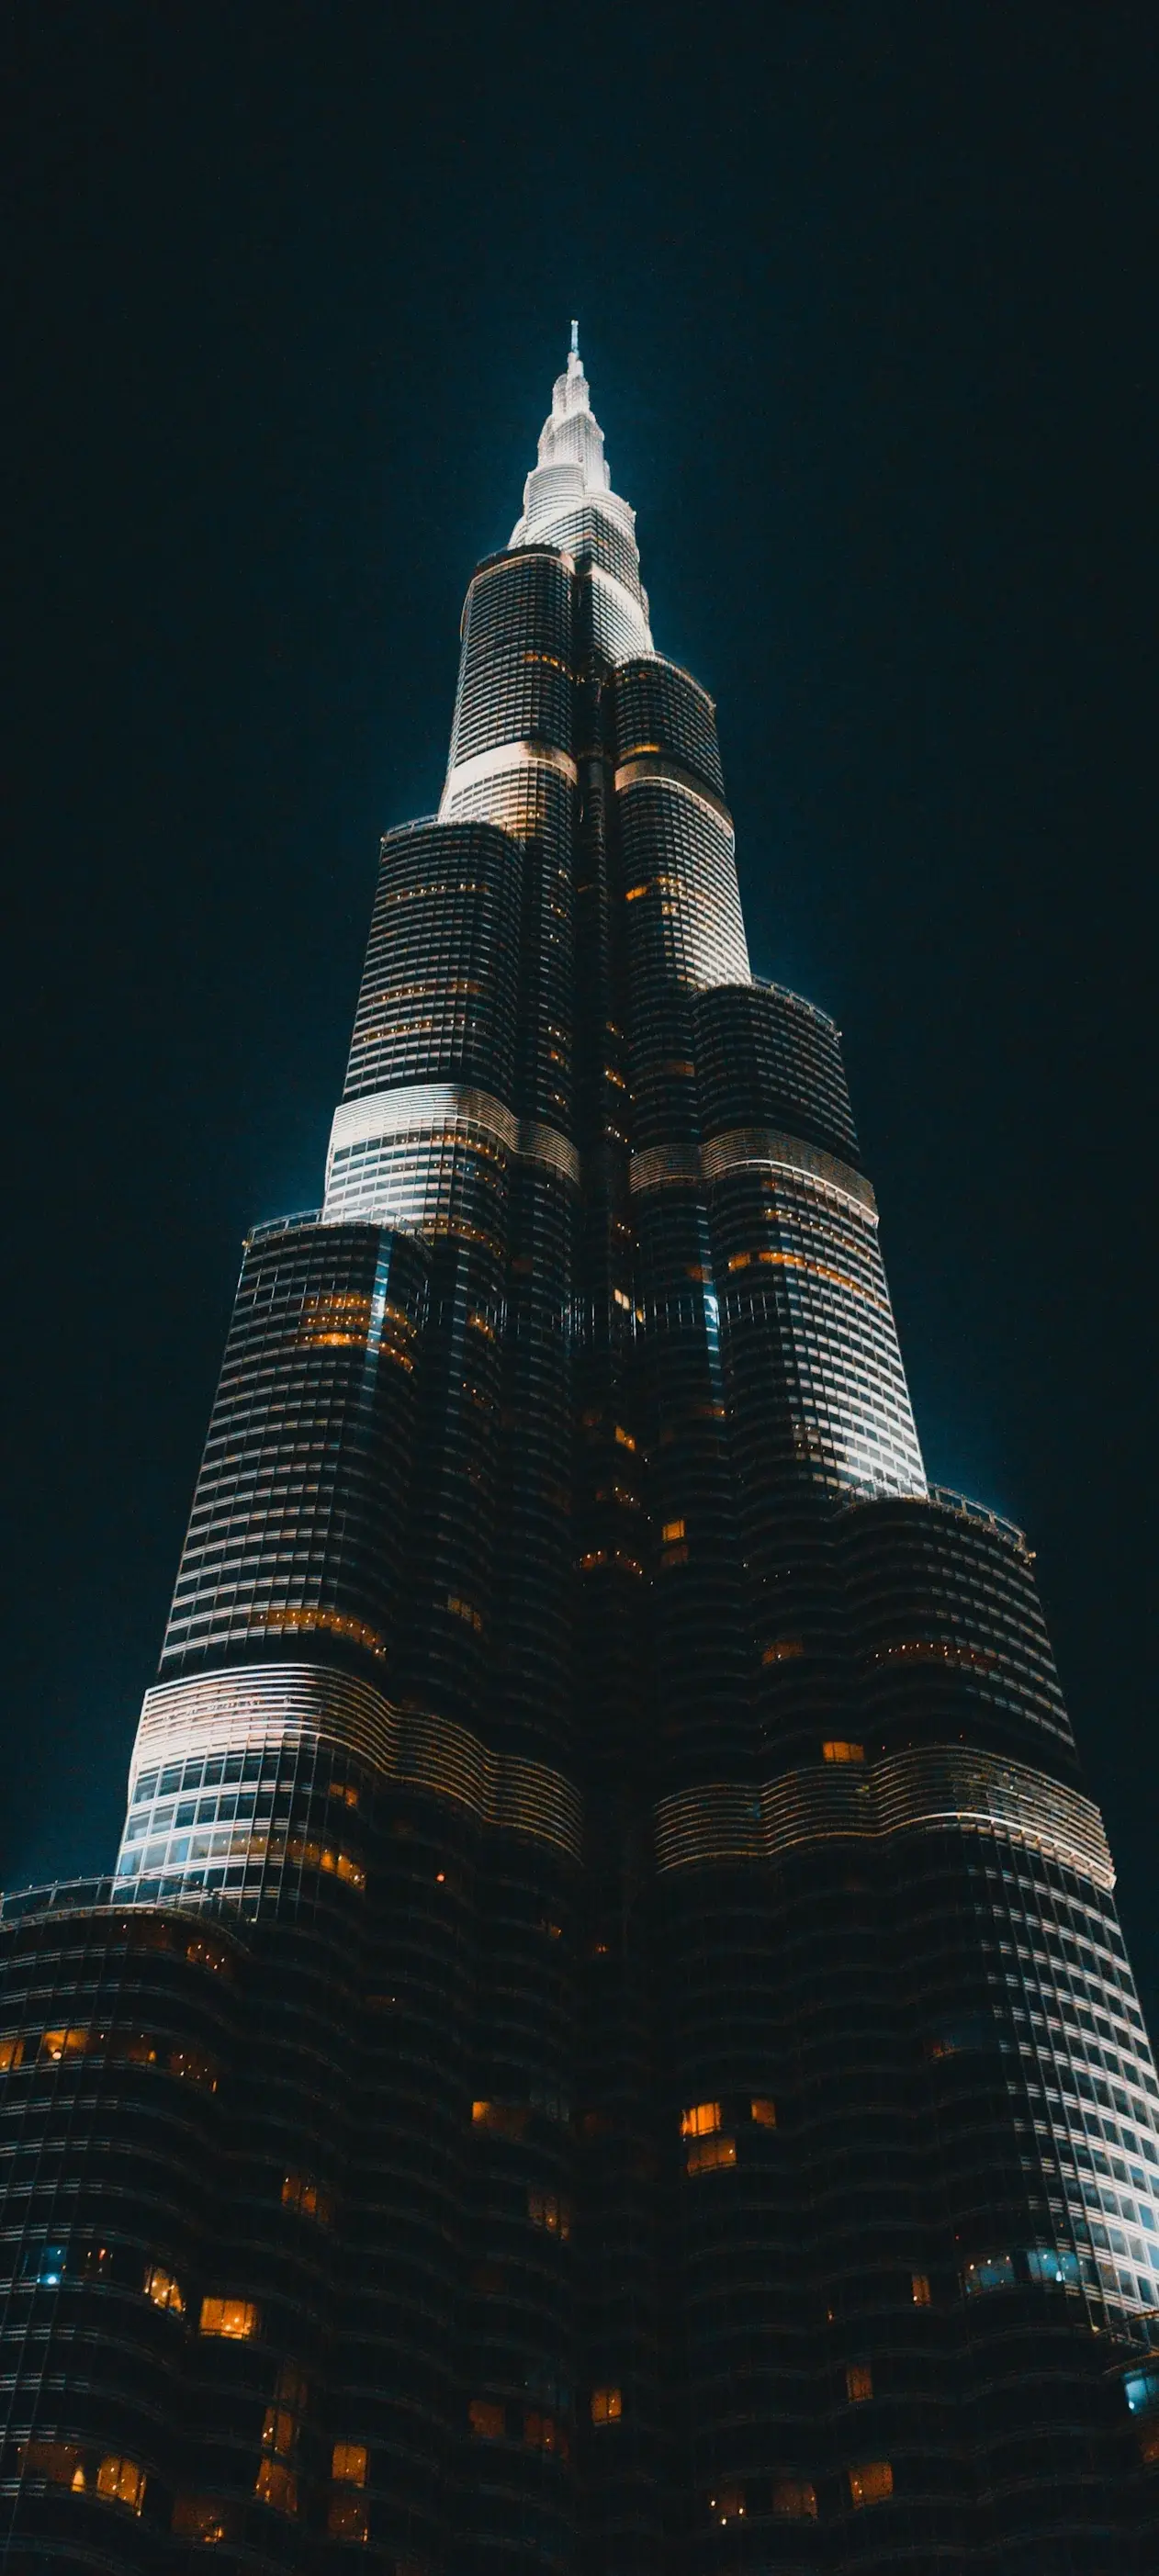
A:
(606, 2048)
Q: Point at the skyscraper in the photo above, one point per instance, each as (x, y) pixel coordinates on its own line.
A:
(607, 2045)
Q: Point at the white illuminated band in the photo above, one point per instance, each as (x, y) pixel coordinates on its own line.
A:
(249, 1710)
(656, 769)
(507, 756)
(745, 1148)
(923, 1790)
(441, 1111)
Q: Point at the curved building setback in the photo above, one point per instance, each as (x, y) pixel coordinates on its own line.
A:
(606, 2048)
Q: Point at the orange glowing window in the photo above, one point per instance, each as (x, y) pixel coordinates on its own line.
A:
(607, 2405)
(122, 2481)
(706, 2155)
(796, 2497)
(783, 1650)
(670, 1530)
(347, 2519)
(192, 2066)
(276, 2485)
(302, 2191)
(11, 2051)
(920, 2289)
(728, 2504)
(161, 2287)
(542, 2433)
(348, 2464)
(700, 2120)
(858, 2382)
(764, 2111)
(504, 2119)
(237, 2319)
(871, 2483)
(58, 2462)
(625, 1438)
(546, 2209)
(56, 2044)
(205, 2518)
(279, 2430)
(486, 2419)
(837, 1750)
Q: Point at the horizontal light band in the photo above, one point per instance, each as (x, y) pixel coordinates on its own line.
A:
(656, 769)
(668, 1166)
(505, 756)
(247, 1708)
(727, 1822)
(447, 1109)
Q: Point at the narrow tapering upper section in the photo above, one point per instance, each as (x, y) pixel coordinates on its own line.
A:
(568, 502)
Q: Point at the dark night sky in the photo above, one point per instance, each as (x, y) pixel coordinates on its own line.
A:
(866, 295)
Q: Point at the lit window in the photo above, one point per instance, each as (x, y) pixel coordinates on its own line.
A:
(705, 2155)
(795, 2496)
(348, 2464)
(607, 2405)
(505, 2119)
(728, 2504)
(58, 2462)
(487, 2419)
(920, 2289)
(276, 2485)
(280, 2430)
(193, 2067)
(990, 2272)
(542, 2433)
(701, 2120)
(204, 2518)
(836, 1750)
(161, 2287)
(625, 1438)
(11, 2052)
(302, 2191)
(347, 2519)
(871, 2483)
(763, 2111)
(858, 2382)
(671, 1530)
(56, 2044)
(546, 2209)
(205, 1954)
(235, 2318)
(122, 2481)
(784, 1650)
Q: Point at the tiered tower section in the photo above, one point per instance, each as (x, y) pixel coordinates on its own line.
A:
(607, 2046)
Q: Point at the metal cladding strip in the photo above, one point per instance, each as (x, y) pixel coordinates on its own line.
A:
(918, 1791)
(240, 1710)
(449, 1109)
(662, 1167)
(680, 1166)
(748, 1145)
(659, 769)
(507, 755)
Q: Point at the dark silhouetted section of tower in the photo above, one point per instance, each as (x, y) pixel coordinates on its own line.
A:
(606, 2049)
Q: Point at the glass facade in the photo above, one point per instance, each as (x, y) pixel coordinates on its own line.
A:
(606, 2045)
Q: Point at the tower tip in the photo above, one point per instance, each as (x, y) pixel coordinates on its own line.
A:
(575, 339)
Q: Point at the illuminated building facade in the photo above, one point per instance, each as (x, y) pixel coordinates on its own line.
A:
(607, 2045)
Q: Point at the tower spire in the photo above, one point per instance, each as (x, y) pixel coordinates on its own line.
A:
(575, 339)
